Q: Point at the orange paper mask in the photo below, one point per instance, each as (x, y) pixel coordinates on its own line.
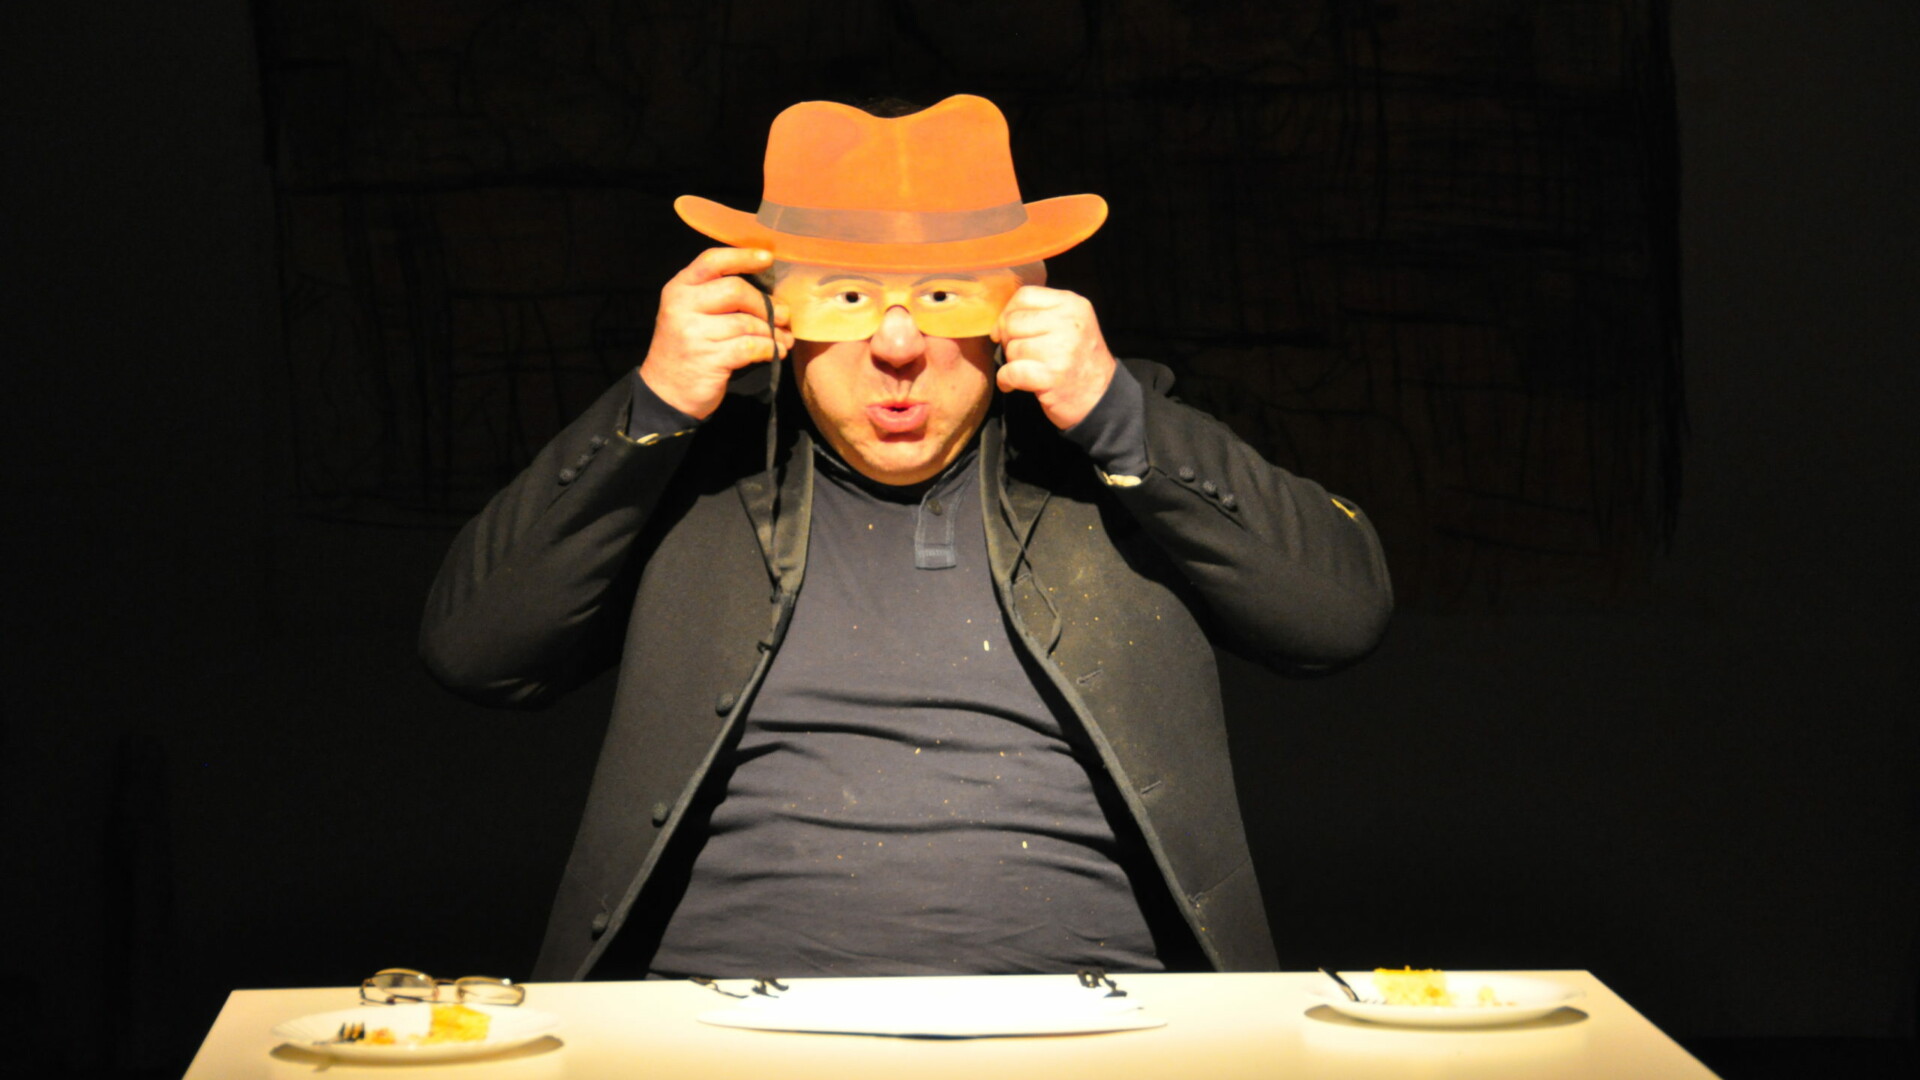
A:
(829, 304)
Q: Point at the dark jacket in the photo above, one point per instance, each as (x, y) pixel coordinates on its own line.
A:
(677, 559)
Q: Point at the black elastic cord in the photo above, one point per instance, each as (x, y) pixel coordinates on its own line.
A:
(773, 387)
(773, 430)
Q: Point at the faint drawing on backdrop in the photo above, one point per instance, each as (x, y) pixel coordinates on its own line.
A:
(1423, 253)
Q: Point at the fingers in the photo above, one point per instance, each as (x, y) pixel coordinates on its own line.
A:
(1034, 310)
(1033, 376)
(697, 306)
(715, 263)
(1054, 350)
(753, 350)
(717, 296)
(734, 324)
(742, 338)
(757, 346)
(711, 323)
(1040, 323)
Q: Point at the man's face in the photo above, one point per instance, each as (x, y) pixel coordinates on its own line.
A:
(900, 402)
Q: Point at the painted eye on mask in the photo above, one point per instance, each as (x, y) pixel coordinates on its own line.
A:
(829, 305)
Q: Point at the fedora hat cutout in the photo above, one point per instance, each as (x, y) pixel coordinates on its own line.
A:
(927, 192)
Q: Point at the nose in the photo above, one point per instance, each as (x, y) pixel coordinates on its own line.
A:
(898, 342)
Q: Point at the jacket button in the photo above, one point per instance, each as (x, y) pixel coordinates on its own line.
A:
(583, 460)
(725, 704)
(1228, 501)
(597, 441)
(600, 923)
(567, 475)
(1185, 473)
(1209, 487)
(660, 812)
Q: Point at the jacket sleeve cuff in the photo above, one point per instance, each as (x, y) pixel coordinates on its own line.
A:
(1114, 434)
(650, 419)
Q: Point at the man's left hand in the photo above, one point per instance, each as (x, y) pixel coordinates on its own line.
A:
(1055, 352)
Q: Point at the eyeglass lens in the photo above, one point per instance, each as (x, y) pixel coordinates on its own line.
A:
(400, 984)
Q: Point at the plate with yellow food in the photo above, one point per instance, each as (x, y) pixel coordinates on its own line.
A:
(419, 1032)
(1427, 997)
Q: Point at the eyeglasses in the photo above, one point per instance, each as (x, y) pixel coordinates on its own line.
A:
(391, 986)
(827, 304)
(766, 987)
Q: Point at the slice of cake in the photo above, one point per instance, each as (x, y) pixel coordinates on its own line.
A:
(1426, 986)
(457, 1023)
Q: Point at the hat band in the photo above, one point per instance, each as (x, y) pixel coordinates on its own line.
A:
(892, 226)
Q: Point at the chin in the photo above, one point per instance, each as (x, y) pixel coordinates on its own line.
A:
(894, 468)
(900, 474)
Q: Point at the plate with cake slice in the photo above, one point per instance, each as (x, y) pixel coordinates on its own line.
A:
(418, 1032)
(1415, 997)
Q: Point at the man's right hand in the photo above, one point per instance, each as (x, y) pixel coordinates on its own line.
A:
(711, 323)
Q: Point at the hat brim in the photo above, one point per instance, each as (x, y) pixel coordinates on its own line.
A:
(1053, 226)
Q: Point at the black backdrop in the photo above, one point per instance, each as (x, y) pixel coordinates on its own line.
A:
(1628, 722)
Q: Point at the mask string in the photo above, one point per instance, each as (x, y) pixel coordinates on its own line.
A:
(773, 384)
(773, 422)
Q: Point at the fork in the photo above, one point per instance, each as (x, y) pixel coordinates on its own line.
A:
(349, 1032)
(1348, 990)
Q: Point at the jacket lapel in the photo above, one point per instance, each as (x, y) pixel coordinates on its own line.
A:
(782, 525)
(1013, 507)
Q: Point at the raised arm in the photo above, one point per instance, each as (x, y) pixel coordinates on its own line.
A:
(1292, 576)
(532, 597)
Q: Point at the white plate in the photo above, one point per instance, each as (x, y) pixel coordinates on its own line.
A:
(1523, 999)
(511, 1026)
(955, 1008)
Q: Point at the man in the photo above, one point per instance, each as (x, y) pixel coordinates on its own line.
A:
(915, 676)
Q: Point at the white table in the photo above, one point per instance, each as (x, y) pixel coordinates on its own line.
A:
(1219, 1027)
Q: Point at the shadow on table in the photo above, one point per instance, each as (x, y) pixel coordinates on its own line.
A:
(1562, 1017)
(1559, 1034)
